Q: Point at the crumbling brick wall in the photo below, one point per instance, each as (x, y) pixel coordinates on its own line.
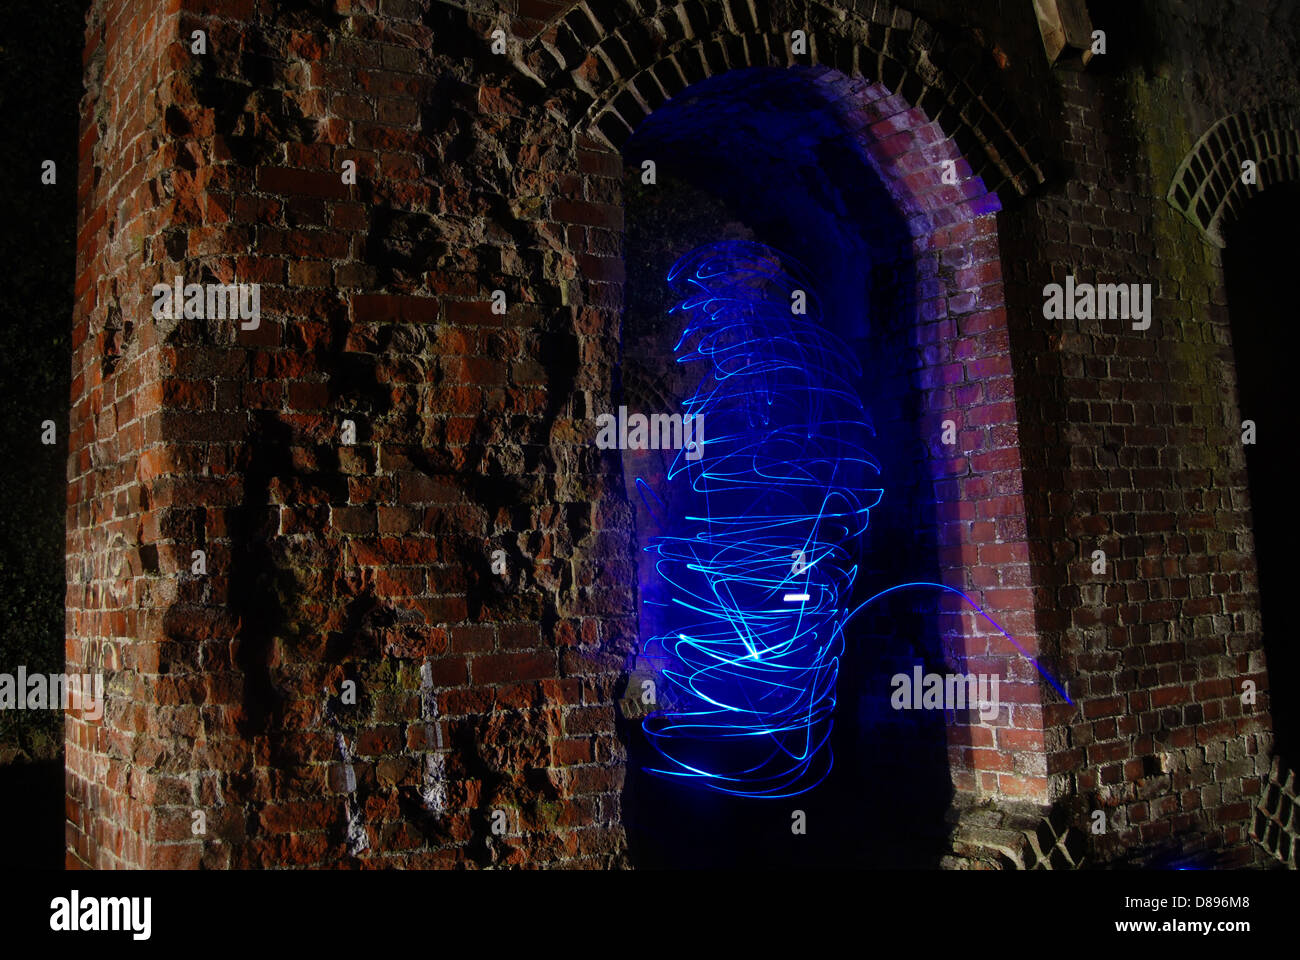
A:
(336, 568)
(116, 515)
(351, 681)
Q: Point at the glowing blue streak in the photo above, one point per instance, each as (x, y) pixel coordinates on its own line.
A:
(780, 475)
(1025, 653)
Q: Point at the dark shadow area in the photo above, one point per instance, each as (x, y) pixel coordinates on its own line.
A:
(41, 67)
(1262, 250)
(760, 155)
(31, 797)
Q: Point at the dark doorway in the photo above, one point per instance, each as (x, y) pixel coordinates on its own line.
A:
(1262, 252)
(759, 155)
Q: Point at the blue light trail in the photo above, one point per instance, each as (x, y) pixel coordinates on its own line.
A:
(757, 558)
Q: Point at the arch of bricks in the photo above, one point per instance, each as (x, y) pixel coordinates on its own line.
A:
(622, 64)
(960, 364)
(1207, 188)
(329, 562)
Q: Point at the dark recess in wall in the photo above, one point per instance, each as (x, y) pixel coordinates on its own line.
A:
(777, 178)
(1262, 251)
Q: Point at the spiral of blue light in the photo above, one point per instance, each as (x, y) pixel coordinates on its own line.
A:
(758, 560)
(762, 520)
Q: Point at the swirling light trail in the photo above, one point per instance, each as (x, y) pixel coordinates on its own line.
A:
(757, 560)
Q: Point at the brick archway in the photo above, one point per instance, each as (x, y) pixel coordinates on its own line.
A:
(331, 561)
(616, 69)
(1207, 188)
(962, 371)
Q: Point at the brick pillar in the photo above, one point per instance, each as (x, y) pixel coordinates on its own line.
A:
(353, 678)
(115, 602)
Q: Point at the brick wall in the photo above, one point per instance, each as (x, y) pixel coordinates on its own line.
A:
(1136, 454)
(330, 562)
(117, 511)
(1135, 448)
(367, 566)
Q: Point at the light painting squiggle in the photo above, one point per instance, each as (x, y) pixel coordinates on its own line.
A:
(757, 563)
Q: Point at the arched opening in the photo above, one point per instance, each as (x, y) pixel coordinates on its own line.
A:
(1261, 250)
(799, 159)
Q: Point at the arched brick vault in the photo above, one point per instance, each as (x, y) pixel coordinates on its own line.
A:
(1208, 190)
(620, 60)
(960, 344)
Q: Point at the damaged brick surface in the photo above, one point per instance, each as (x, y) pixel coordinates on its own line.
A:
(352, 683)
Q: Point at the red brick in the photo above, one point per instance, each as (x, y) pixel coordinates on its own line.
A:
(393, 308)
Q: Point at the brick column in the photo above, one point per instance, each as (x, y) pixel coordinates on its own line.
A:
(357, 675)
(116, 516)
